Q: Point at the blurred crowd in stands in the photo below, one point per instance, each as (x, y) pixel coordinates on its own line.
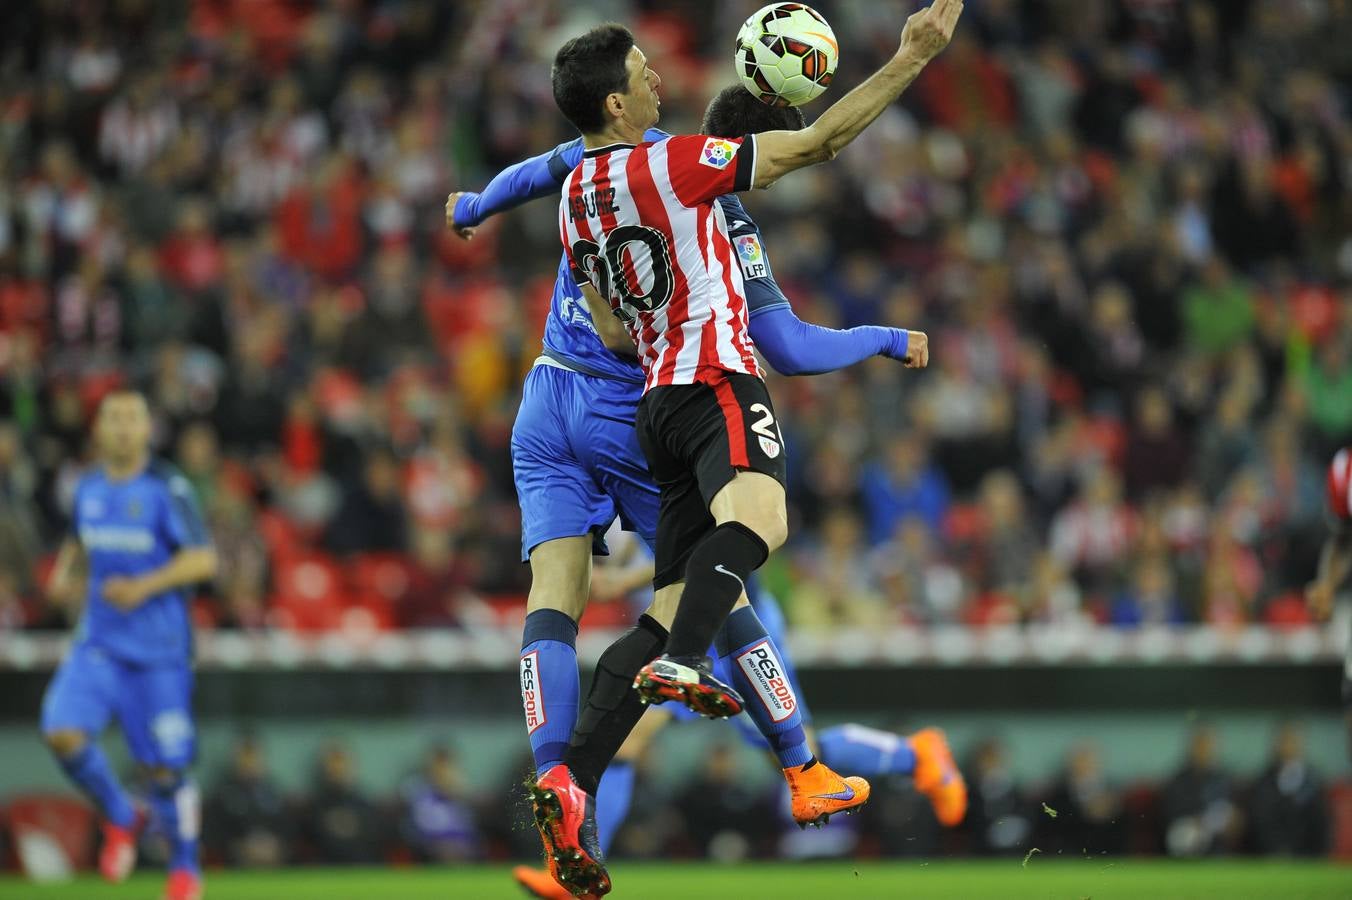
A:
(437, 815)
(1125, 224)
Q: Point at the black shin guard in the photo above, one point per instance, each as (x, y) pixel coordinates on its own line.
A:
(714, 579)
(612, 708)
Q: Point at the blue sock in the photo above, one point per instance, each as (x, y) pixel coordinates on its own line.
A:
(90, 770)
(866, 751)
(178, 810)
(759, 676)
(549, 684)
(612, 802)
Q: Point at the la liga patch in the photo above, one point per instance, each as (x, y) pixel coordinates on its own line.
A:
(717, 153)
(750, 255)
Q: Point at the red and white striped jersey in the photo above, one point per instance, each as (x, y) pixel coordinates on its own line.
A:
(641, 224)
(1340, 485)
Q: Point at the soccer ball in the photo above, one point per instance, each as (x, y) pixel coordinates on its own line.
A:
(786, 54)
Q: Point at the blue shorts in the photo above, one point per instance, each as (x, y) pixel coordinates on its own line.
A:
(772, 617)
(576, 460)
(153, 704)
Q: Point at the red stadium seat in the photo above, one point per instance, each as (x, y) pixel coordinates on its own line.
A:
(306, 614)
(507, 608)
(51, 833)
(283, 538)
(309, 575)
(607, 615)
(367, 615)
(385, 577)
(310, 594)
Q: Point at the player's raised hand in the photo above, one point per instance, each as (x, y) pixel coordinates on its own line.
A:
(929, 30)
(917, 350)
(462, 231)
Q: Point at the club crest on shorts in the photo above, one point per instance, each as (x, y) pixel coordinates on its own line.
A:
(532, 693)
(766, 673)
(717, 153)
(769, 447)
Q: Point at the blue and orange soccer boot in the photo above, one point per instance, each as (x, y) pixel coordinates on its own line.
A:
(566, 817)
(819, 793)
(689, 680)
(937, 776)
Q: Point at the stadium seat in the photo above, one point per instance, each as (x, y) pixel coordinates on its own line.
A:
(309, 575)
(283, 538)
(52, 834)
(310, 594)
(366, 615)
(507, 608)
(306, 614)
(384, 577)
(607, 615)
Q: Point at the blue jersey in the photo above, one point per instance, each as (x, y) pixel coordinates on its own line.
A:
(128, 528)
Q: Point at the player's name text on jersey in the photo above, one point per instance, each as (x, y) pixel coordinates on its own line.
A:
(593, 203)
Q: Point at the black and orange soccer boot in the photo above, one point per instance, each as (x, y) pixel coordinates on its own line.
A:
(541, 883)
(566, 817)
(689, 680)
(819, 793)
(937, 776)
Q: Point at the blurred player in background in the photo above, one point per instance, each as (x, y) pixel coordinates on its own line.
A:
(791, 347)
(1335, 562)
(140, 544)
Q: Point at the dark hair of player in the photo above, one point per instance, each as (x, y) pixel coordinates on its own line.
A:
(736, 111)
(588, 69)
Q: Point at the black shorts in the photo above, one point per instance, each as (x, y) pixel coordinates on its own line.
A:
(696, 437)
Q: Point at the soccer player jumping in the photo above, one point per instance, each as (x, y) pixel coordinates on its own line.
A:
(140, 542)
(641, 226)
(580, 398)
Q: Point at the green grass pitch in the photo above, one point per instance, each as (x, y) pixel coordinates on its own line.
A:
(912, 880)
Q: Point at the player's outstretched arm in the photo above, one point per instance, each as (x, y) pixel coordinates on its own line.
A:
(794, 347)
(530, 179)
(926, 34)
